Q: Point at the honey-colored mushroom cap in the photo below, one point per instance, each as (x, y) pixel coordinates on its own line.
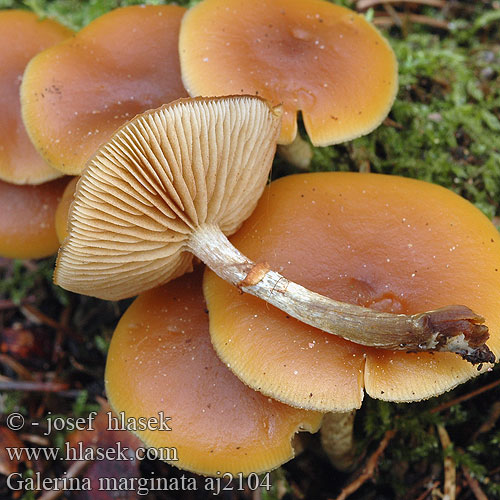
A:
(311, 56)
(22, 36)
(161, 360)
(76, 94)
(389, 243)
(27, 223)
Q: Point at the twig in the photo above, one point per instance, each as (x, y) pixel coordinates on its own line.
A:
(450, 470)
(35, 439)
(75, 470)
(494, 471)
(489, 423)
(34, 314)
(389, 122)
(15, 366)
(13, 385)
(6, 304)
(425, 494)
(474, 485)
(366, 4)
(387, 21)
(369, 469)
(393, 13)
(465, 397)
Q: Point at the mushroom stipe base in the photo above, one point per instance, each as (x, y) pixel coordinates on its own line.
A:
(453, 328)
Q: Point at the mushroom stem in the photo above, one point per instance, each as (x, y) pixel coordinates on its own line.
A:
(299, 153)
(454, 329)
(337, 439)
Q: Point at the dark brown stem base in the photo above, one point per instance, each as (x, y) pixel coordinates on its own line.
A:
(454, 326)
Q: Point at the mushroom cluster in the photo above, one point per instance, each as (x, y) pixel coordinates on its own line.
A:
(168, 187)
(172, 181)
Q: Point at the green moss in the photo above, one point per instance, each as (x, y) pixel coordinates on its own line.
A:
(416, 445)
(23, 278)
(75, 13)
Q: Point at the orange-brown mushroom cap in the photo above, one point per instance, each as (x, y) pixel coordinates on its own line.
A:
(76, 94)
(22, 36)
(389, 243)
(309, 56)
(27, 223)
(161, 360)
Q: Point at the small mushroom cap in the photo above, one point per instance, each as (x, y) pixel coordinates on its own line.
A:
(27, 224)
(75, 95)
(385, 242)
(310, 56)
(62, 212)
(165, 173)
(22, 36)
(161, 360)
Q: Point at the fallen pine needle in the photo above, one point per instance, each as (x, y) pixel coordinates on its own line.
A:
(387, 21)
(15, 366)
(39, 317)
(366, 4)
(75, 470)
(10, 304)
(474, 485)
(490, 422)
(14, 385)
(450, 470)
(429, 489)
(465, 397)
(369, 469)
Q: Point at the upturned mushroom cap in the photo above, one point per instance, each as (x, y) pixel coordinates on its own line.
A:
(75, 95)
(161, 360)
(22, 36)
(311, 56)
(389, 243)
(27, 227)
(167, 172)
